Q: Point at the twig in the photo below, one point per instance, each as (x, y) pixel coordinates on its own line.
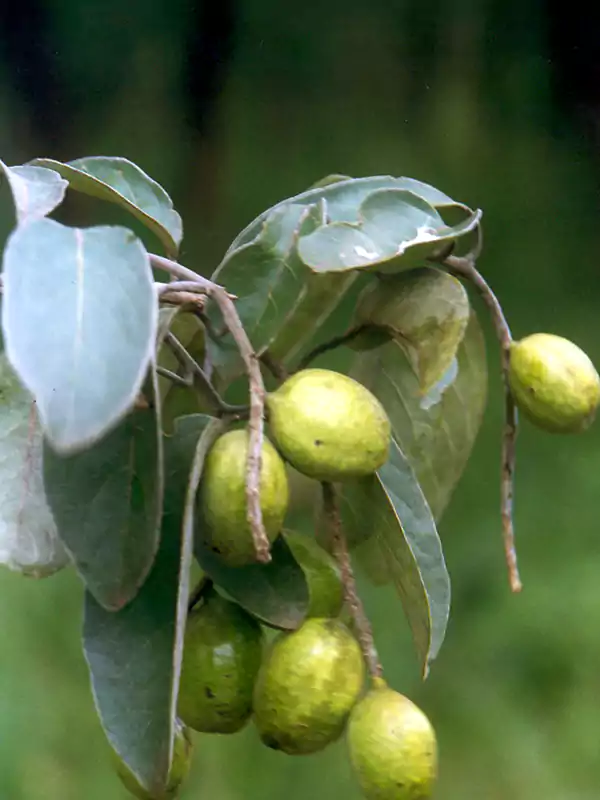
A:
(174, 377)
(275, 368)
(181, 272)
(353, 601)
(465, 268)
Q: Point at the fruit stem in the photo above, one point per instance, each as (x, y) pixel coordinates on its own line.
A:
(331, 344)
(340, 551)
(465, 268)
(204, 584)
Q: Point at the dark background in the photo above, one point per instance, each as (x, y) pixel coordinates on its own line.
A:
(235, 105)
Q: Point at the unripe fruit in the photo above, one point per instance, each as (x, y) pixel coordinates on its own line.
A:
(322, 573)
(180, 767)
(392, 747)
(221, 658)
(554, 383)
(222, 497)
(306, 687)
(329, 426)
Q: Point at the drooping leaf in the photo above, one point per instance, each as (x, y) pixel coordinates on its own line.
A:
(396, 230)
(435, 430)
(79, 322)
(107, 502)
(134, 655)
(36, 191)
(425, 310)
(392, 506)
(29, 541)
(122, 182)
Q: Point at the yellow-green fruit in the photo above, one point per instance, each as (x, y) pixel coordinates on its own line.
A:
(322, 573)
(223, 506)
(221, 658)
(554, 383)
(392, 747)
(180, 767)
(306, 687)
(329, 426)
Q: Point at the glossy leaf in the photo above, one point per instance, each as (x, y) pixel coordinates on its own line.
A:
(393, 508)
(425, 310)
(36, 191)
(396, 230)
(435, 430)
(107, 503)
(122, 182)
(29, 541)
(79, 323)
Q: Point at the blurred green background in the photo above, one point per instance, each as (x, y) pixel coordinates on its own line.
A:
(459, 94)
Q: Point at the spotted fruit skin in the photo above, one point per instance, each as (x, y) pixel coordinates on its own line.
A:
(222, 653)
(329, 426)
(392, 747)
(180, 767)
(306, 687)
(223, 523)
(554, 383)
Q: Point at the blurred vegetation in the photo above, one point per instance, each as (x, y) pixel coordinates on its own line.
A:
(455, 93)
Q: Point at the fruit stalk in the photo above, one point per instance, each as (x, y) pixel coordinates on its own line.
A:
(340, 551)
(465, 268)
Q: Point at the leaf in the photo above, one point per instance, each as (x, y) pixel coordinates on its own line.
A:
(134, 655)
(393, 507)
(29, 541)
(122, 182)
(79, 323)
(396, 230)
(436, 430)
(425, 310)
(36, 191)
(107, 502)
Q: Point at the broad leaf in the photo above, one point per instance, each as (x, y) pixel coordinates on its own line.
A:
(435, 429)
(124, 183)
(79, 322)
(36, 191)
(134, 655)
(107, 502)
(425, 310)
(29, 541)
(392, 506)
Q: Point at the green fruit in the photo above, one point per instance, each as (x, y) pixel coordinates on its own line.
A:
(322, 573)
(222, 497)
(221, 658)
(554, 383)
(306, 687)
(180, 767)
(392, 747)
(328, 425)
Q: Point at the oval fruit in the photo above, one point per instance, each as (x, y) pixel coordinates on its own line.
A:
(222, 497)
(306, 687)
(554, 383)
(392, 747)
(221, 658)
(329, 426)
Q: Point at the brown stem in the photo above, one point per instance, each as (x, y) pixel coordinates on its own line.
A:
(465, 268)
(276, 369)
(353, 601)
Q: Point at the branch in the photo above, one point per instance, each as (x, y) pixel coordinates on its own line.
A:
(353, 601)
(465, 268)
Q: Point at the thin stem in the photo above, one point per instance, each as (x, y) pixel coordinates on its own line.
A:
(181, 272)
(173, 377)
(465, 268)
(332, 344)
(275, 368)
(353, 601)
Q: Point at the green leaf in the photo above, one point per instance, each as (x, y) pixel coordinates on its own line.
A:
(396, 230)
(79, 322)
(134, 655)
(29, 541)
(329, 180)
(107, 502)
(36, 191)
(392, 506)
(425, 310)
(436, 430)
(124, 183)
